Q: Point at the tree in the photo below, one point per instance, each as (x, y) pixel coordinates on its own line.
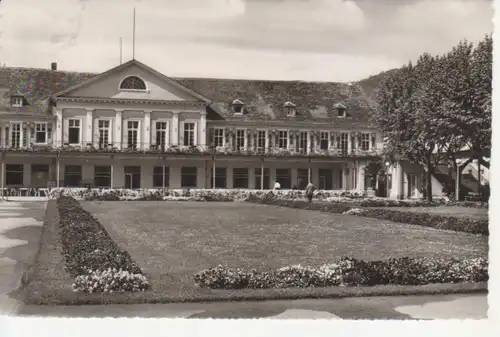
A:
(407, 114)
(466, 103)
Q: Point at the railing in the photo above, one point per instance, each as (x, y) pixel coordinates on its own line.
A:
(143, 148)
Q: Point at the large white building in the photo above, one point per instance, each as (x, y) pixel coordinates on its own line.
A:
(132, 127)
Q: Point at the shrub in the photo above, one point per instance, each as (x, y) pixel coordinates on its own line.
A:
(87, 246)
(457, 224)
(453, 223)
(350, 272)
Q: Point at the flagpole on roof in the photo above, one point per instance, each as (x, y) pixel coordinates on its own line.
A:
(121, 44)
(133, 38)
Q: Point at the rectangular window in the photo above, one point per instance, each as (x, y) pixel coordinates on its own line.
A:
(283, 177)
(102, 176)
(14, 174)
(302, 143)
(17, 102)
(220, 177)
(240, 139)
(344, 142)
(160, 179)
(219, 137)
(325, 179)
(40, 133)
(302, 178)
(161, 134)
(132, 134)
(261, 140)
(365, 141)
(189, 134)
(354, 176)
(240, 178)
(72, 175)
(74, 131)
(412, 185)
(323, 140)
(132, 177)
(39, 175)
(267, 178)
(16, 135)
(283, 139)
(103, 128)
(189, 177)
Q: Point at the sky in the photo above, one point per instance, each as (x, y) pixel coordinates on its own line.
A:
(310, 40)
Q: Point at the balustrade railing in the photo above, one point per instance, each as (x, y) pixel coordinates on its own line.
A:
(143, 148)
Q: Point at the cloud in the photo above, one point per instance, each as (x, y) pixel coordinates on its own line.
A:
(280, 39)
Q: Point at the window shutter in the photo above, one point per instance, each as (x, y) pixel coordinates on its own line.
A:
(6, 136)
(140, 139)
(153, 132)
(32, 131)
(211, 136)
(25, 131)
(167, 135)
(65, 131)
(49, 133)
(110, 132)
(181, 133)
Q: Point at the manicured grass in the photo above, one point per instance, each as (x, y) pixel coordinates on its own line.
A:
(457, 211)
(171, 241)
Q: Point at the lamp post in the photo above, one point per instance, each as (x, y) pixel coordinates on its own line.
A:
(213, 165)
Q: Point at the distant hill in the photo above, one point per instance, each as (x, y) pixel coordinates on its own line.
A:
(369, 84)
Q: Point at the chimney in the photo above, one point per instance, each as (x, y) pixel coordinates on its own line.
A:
(53, 66)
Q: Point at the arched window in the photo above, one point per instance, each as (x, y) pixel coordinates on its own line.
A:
(133, 83)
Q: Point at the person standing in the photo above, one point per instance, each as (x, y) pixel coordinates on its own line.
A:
(310, 188)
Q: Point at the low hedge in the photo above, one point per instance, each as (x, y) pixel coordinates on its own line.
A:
(467, 225)
(350, 272)
(91, 255)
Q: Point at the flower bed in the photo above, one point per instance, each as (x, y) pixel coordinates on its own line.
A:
(350, 272)
(421, 219)
(334, 196)
(189, 194)
(91, 256)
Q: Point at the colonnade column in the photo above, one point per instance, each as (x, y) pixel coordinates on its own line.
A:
(58, 134)
(147, 129)
(203, 129)
(89, 126)
(175, 128)
(117, 134)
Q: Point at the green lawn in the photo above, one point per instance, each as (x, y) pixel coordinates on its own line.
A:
(173, 240)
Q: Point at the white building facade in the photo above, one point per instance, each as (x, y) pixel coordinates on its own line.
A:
(132, 127)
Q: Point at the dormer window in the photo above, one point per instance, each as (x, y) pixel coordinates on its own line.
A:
(133, 83)
(237, 106)
(17, 101)
(289, 108)
(341, 110)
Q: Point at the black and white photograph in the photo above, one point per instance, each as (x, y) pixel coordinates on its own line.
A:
(245, 159)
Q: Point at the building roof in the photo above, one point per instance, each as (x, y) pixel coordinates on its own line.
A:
(263, 100)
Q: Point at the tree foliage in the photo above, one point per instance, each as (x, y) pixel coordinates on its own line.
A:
(433, 109)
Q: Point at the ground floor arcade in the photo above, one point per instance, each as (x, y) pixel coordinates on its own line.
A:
(122, 171)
